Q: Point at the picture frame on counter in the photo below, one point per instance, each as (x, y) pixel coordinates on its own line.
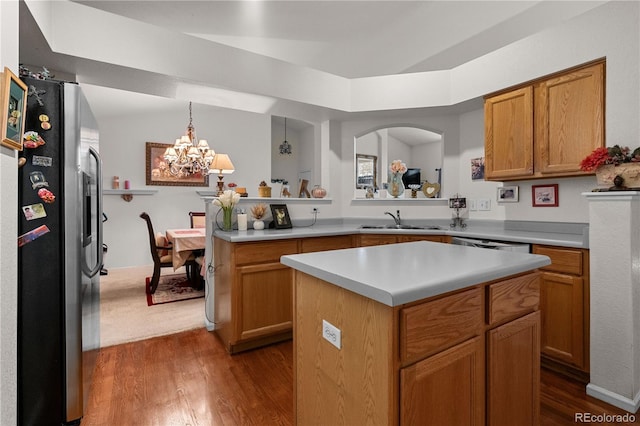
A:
(507, 194)
(13, 98)
(280, 214)
(544, 195)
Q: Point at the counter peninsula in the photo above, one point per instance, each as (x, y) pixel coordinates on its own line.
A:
(416, 333)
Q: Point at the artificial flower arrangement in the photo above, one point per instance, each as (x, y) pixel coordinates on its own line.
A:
(226, 201)
(397, 166)
(612, 155)
(258, 211)
(395, 186)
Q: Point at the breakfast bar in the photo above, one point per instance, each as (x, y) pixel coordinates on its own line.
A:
(416, 333)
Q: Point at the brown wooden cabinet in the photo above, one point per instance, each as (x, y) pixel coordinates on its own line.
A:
(337, 242)
(365, 240)
(508, 145)
(513, 372)
(252, 293)
(466, 357)
(546, 127)
(565, 308)
(429, 388)
(253, 290)
(434, 238)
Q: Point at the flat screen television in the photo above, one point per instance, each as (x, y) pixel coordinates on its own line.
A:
(412, 176)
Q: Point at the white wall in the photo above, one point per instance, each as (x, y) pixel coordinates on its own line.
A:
(244, 136)
(447, 125)
(610, 31)
(8, 234)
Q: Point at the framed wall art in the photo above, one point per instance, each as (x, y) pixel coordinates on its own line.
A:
(544, 195)
(13, 95)
(158, 171)
(477, 168)
(280, 213)
(508, 194)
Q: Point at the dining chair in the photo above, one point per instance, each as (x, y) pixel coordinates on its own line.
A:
(161, 253)
(197, 219)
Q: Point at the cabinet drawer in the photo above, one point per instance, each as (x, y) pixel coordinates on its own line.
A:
(410, 238)
(377, 239)
(513, 298)
(439, 324)
(565, 260)
(268, 251)
(326, 243)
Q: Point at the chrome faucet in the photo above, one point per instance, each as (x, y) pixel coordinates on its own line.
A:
(396, 218)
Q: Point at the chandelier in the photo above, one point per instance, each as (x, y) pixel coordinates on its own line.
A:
(188, 155)
(285, 147)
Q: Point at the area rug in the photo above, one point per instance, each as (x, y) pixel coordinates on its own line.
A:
(172, 288)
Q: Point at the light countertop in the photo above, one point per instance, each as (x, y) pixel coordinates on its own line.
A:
(402, 273)
(548, 235)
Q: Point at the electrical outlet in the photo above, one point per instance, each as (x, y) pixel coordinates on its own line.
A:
(331, 334)
(473, 205)
(484, 204)
(314, 210)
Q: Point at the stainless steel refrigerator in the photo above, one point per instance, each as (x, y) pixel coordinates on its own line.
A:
(59, 254)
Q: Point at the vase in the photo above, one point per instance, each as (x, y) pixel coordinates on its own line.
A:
(227, 219)
(629, 173)
(258, 224)
(395, 186)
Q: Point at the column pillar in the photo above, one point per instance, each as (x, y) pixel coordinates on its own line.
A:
(614, 245)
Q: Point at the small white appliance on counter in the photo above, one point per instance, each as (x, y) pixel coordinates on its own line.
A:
(494, 245)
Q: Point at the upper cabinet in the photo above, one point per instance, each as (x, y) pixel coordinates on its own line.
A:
(545, 128)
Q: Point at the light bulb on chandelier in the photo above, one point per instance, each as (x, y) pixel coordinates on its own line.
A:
(189, 156)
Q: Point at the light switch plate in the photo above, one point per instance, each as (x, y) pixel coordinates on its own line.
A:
(484, 204)
(473, 205)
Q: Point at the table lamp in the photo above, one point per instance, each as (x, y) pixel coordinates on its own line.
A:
(223, 166)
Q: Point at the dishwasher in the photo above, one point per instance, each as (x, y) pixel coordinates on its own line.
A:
(494, 245)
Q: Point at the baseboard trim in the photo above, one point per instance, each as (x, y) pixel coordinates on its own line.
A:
(630, 405)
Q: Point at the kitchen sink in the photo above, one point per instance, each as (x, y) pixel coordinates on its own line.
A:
(403, 227)
(399, 227)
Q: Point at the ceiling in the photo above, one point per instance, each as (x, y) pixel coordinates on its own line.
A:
(348, 39)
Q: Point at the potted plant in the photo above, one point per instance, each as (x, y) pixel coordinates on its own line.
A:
(615, 166)
(258, 211)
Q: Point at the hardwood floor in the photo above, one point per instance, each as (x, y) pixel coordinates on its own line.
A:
(189, 379)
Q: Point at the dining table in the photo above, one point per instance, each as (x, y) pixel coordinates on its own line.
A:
(184, 242)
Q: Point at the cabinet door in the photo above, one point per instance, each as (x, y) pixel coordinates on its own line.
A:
(263, 300)
(561, 298)
(446, 388)
(569, 120)
(376, 239)
(509, 135)
(513, 376)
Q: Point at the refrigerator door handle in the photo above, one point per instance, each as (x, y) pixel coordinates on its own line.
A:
(98, 265)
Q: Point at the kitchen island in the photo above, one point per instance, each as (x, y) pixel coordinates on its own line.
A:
(416, 333)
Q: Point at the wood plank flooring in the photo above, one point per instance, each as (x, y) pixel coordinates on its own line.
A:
(189, 379)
